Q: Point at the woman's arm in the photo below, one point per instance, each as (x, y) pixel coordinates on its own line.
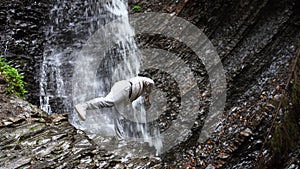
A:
(148, 91)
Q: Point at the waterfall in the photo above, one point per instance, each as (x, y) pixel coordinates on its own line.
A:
(70, 23)
(90, 46)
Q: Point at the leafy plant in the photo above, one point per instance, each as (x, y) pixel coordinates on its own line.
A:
(16, 85)
(137, 8)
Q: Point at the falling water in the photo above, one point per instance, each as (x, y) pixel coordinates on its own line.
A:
(71, 22)
(84, 58)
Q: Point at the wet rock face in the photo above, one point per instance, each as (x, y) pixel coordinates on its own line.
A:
(22, 38)
(256, 41)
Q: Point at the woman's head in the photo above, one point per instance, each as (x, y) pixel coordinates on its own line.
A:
(145, 74)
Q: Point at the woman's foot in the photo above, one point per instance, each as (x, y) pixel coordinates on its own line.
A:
(81, 110)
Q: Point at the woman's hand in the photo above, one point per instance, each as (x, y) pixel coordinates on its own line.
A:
(147, 102)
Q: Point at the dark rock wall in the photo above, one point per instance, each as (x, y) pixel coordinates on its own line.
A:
(256, 40)
(249, 36)
(22, 38)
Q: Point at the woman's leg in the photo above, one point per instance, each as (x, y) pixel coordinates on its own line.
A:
(119, 96)
(98, 103)
(119, 92)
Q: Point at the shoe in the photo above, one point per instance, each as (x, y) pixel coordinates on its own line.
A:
(81, 110)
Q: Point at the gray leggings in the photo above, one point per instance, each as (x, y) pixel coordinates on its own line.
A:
(118, 96)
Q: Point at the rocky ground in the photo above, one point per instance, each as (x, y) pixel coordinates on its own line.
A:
(30, 138)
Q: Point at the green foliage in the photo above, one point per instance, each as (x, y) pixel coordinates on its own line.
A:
(137, 8)
(16, 85)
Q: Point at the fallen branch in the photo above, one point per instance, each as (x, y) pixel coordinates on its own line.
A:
(279, 105)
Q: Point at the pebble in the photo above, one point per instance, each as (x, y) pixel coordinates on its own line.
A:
(292, 166)
(210, 167)
(277, 96)
(7, 122)
(224, 155)
(246, 132)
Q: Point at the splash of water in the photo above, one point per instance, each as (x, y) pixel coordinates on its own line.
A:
(62, 58)
(112, 42)
(50, 66)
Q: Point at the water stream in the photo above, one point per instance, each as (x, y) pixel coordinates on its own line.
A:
(90, 47)
(71, 23)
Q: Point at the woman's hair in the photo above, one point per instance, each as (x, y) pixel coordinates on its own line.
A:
(145, 74)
